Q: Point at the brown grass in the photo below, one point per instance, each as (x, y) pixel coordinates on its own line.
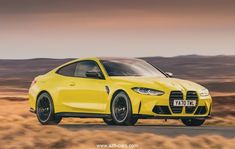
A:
(20, 129)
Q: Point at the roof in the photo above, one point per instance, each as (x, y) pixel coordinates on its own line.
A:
(116, 58)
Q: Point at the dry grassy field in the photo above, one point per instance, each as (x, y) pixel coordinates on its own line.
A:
(20, 129)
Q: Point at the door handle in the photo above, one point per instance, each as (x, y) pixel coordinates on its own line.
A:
(72, 84)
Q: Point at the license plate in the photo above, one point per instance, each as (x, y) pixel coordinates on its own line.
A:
(184, 103)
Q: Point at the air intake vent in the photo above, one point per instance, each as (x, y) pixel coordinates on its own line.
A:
(201, 110)
(161, 110)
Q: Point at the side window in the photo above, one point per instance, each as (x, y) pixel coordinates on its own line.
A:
(86, 66)
(67, 70)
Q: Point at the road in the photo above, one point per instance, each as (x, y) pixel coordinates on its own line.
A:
(168, 130)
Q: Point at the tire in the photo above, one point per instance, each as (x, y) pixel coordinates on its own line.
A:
(193, 122)
(109, 121)
(45, 110)
(121, 110)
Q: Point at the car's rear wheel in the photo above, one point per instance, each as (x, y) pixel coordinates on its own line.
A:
(45, 110)
(193, 121)
(121, 110)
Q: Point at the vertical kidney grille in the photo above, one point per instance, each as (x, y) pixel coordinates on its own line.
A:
(175, 95)
(178, 95)
(191, 95)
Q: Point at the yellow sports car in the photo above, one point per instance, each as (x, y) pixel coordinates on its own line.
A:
(119, 90)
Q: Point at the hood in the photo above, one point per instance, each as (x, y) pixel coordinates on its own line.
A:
(158, 83)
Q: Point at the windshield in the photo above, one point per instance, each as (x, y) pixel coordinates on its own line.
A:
(130, 67)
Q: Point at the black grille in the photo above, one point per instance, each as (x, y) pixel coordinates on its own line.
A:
(191, 95)
(161, 110)
(200, 110)
(175, 95)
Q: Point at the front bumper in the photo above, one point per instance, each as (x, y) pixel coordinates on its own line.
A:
(160, 107)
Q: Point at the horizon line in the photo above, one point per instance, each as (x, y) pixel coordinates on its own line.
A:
(190, 55)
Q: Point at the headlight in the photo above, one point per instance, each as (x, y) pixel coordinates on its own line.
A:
(147, 91)
(204, 93)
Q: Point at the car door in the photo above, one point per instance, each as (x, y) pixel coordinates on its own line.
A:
(85, 92)
(64, 87)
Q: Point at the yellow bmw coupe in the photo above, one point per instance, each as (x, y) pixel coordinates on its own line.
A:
(119, 90)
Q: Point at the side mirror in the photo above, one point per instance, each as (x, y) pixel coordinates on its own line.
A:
(169, 74)
(95, 75)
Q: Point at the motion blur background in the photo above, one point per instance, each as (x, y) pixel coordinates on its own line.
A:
(81, 28)
(194, 39)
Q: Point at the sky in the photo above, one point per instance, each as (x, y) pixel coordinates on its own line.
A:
(129, 28)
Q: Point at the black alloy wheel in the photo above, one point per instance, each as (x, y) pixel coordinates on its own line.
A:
(121, 110)
(45, 110)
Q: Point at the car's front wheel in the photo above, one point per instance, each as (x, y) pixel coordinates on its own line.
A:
(45, 110)
(121, 110)
(193, 121)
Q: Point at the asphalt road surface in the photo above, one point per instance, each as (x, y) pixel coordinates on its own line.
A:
(167, 130)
